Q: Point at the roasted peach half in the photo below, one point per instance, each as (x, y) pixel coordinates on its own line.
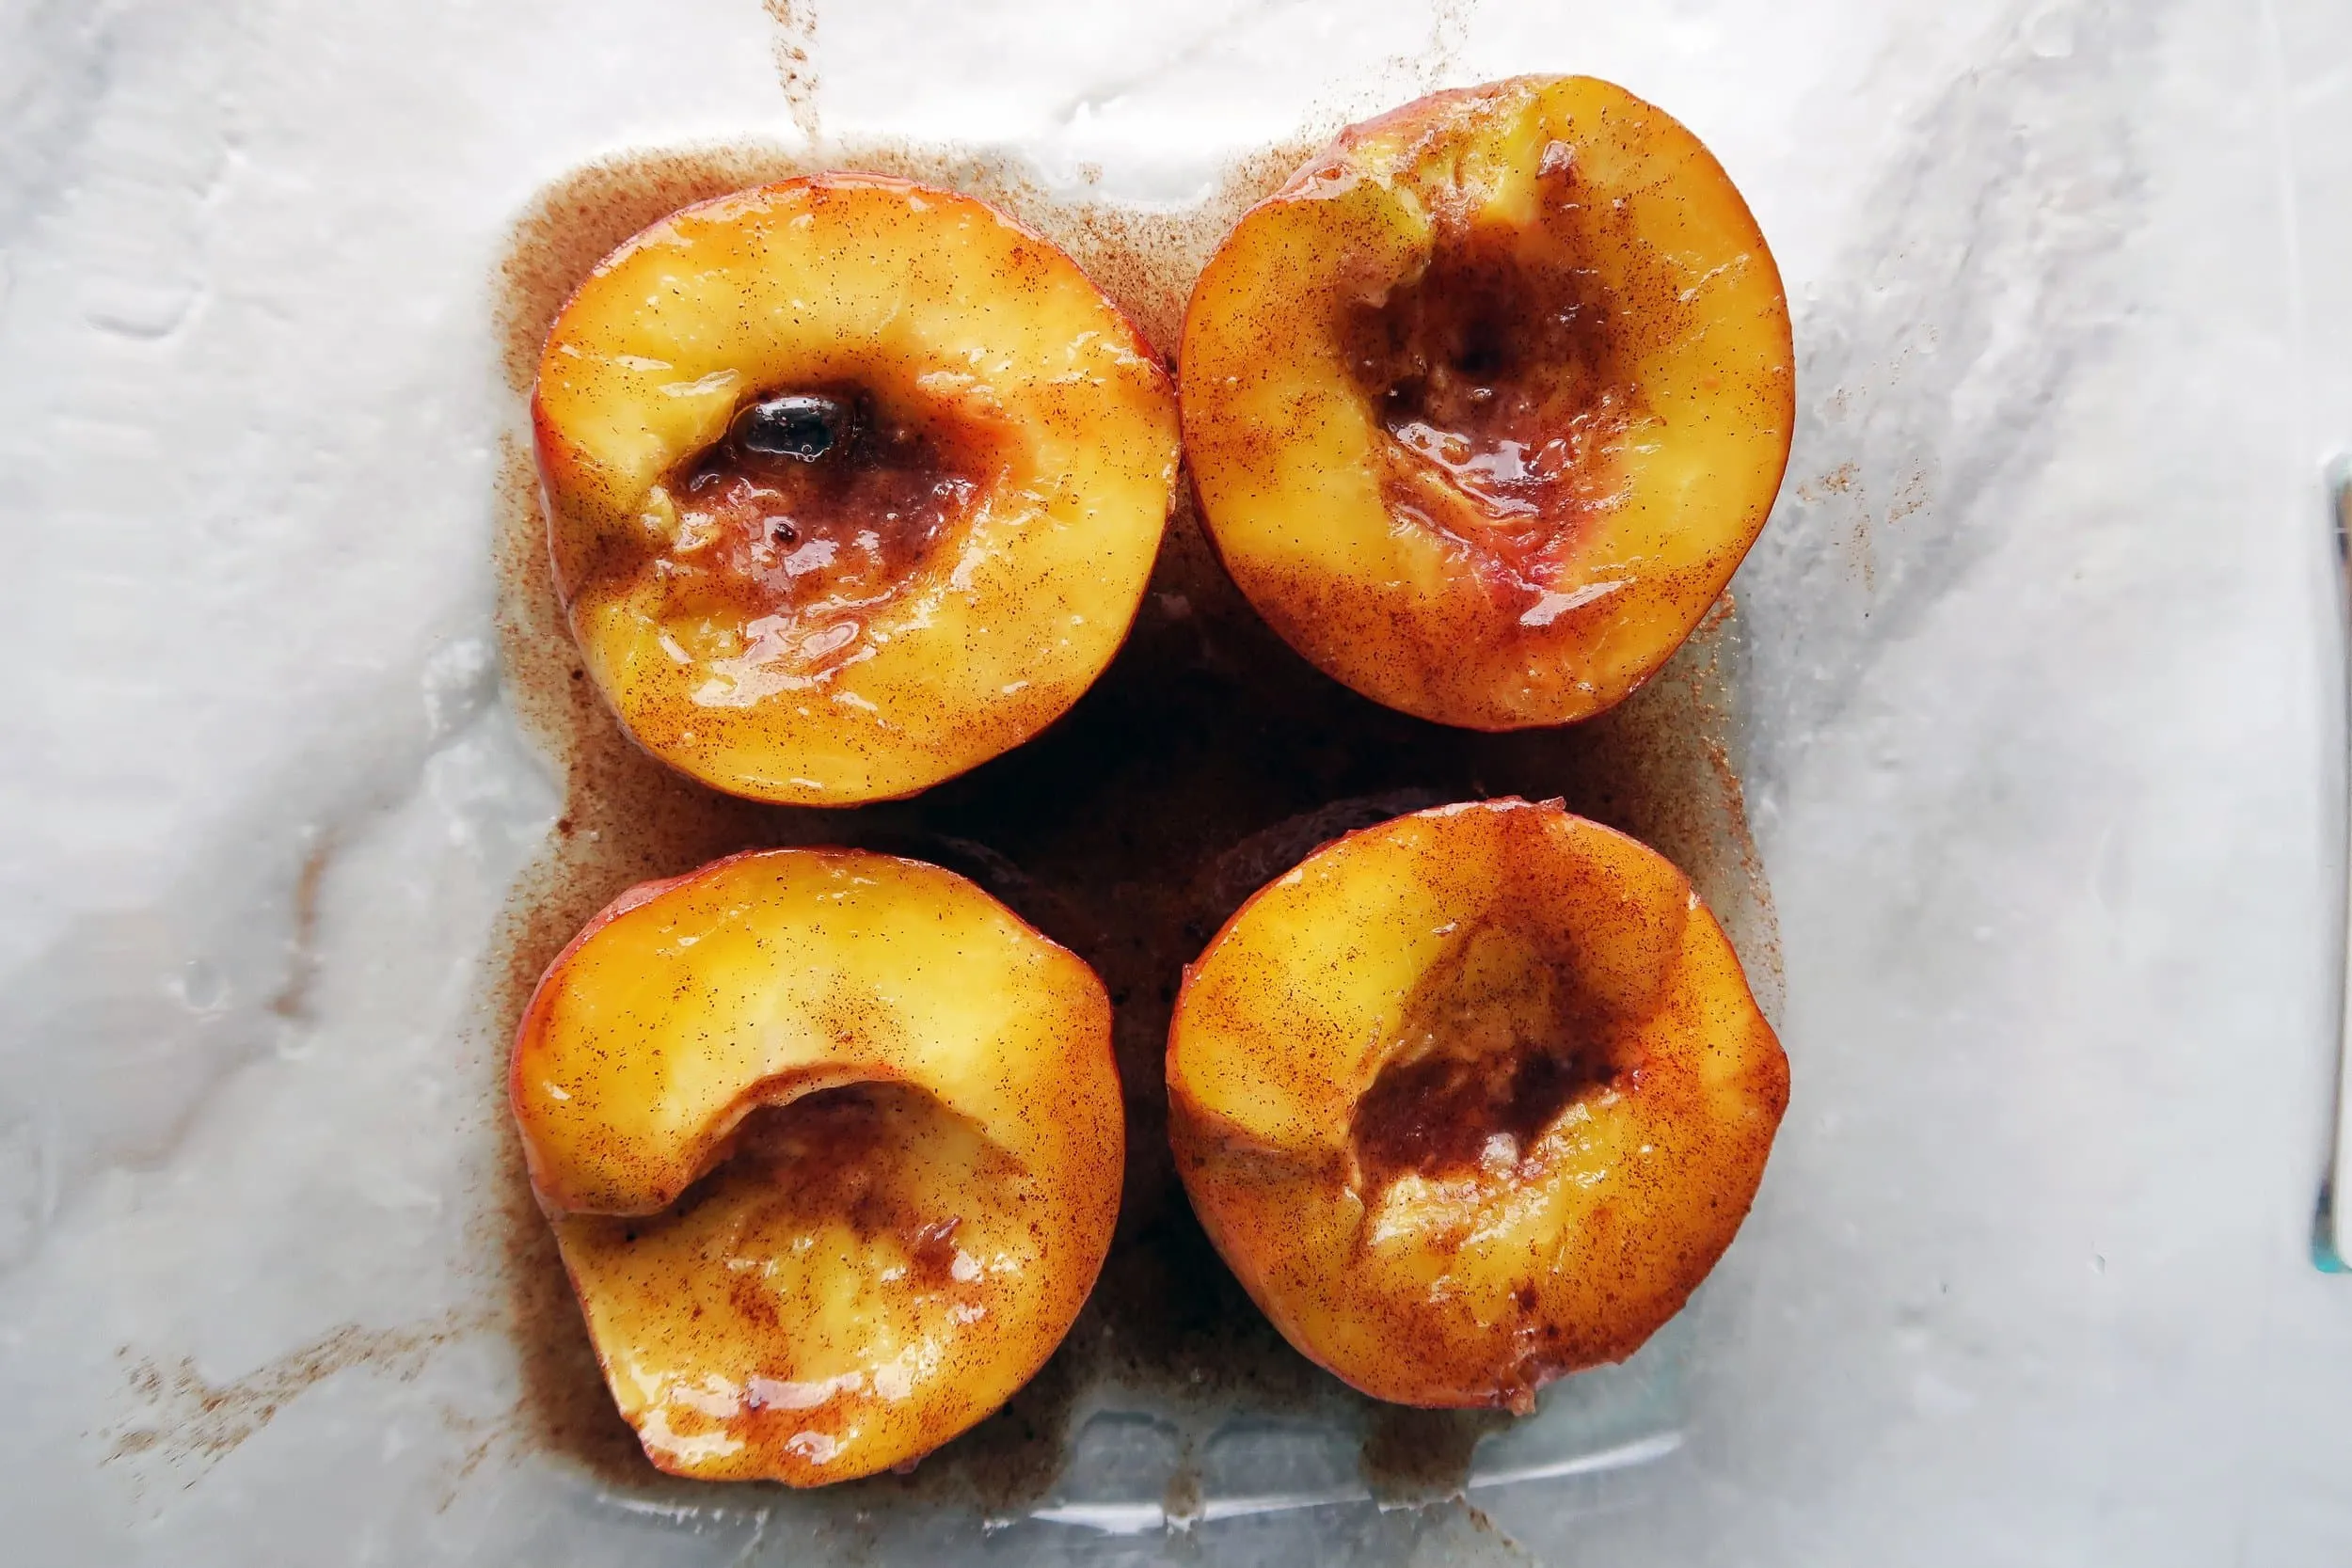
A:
(831, 1143)
(1471, 1099)
(852, 485)
(1486, 404)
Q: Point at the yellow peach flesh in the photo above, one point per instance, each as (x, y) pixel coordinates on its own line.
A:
(781, 1113)
(1471, 1099)
(1487, 404)
(1029, 423)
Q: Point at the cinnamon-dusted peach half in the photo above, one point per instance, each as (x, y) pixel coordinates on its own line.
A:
(831, 1144)
(852, 485)
(1486, 404)
(1471, 1099)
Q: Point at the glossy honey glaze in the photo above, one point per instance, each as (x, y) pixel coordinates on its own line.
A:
(1209, 759)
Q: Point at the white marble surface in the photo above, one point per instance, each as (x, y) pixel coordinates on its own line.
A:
(2046, 736)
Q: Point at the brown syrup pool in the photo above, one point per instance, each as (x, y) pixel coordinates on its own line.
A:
(1206, 761)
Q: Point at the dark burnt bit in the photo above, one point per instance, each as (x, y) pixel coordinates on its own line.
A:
(819, 503)
(799, 425)
(1206, 754)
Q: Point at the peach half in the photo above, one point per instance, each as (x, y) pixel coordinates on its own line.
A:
(1485, 406)
(1471, 1099)
(852, 485)
(831, 1142)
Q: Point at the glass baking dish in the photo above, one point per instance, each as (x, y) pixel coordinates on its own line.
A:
(2014, 763)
